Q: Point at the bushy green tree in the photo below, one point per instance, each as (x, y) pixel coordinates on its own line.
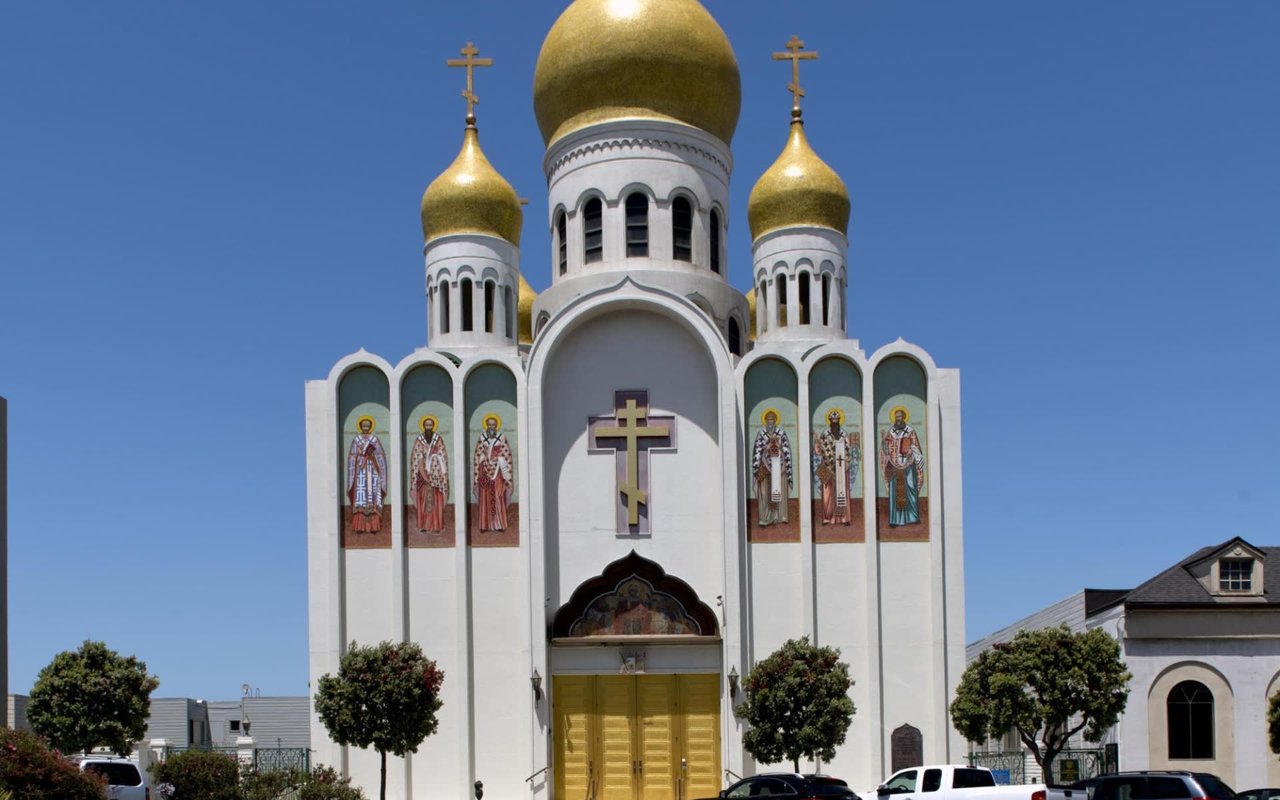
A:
(797, 704)
(385, 696)
(92, 697)
(1273, 722)
(322, 783)
(199, 775)
(1047, 685)
(30, 770)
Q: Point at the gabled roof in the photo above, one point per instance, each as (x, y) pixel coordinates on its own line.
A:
(1177, 586)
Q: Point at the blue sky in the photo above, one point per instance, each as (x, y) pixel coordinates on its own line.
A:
(203, 205)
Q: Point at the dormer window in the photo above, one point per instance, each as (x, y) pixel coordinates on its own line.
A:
(1235, 575)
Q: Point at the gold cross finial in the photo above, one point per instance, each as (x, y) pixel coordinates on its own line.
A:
(795, 57)
(470, 62)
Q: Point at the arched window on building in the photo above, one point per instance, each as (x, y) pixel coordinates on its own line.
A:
(562, 243)
(805, 318)
(782, 301)
(490, 304)
(826, 298)
(1190, 707)
(715, 241)
(444, 306)
(468, 309)
(592, 231)
(681, 230)
(762, 298)
(637, 225)
(509, 324)
(543, 319)
(735, 337)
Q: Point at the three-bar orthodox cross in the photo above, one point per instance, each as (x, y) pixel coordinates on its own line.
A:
(631, 432)
(470, 62)
(794, 46)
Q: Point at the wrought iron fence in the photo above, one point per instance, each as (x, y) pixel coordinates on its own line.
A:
(273, 759)
(1070, 766)
(1017, 766)
(1009, 766)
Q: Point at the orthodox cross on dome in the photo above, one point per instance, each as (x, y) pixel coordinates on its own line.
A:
(470, 62)
(631, 433)
(794, 46)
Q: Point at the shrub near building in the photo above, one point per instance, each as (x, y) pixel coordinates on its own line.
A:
(31, 770)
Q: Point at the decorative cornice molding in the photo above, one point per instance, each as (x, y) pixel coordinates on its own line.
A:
(646, 142)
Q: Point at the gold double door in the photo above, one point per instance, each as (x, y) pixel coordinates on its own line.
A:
(636, 737)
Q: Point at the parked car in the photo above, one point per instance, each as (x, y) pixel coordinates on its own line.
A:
(124, 780)
(952, 782)
(790, 784)
(1150, 785)
(1259, 794)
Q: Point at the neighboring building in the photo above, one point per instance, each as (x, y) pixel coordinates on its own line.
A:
(272, 722)
(16, 712)
(599, 506)
(1202, 641)
(4, 558)
(180, 721)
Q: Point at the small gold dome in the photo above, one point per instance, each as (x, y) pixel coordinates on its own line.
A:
(751, 314)
(799, 189)
(524, 312)
(471, 197)
(636, 59)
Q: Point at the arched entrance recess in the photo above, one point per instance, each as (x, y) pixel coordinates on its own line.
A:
(636, 689)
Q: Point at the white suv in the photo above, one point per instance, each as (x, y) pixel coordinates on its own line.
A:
(124, 780)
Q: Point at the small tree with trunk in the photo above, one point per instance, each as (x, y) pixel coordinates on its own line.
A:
(92, 697)
(385, 696)
(1047, 685)
(797, 704)
(1273, 722)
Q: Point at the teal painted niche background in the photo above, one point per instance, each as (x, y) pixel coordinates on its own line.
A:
(772, 383)
(363, 391)
(491, 389)
(428, 390)
(900, 381)
(835, 383)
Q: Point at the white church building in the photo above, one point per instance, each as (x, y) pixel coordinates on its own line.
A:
(598, 506)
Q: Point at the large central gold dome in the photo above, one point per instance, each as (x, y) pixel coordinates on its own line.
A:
(636, 59)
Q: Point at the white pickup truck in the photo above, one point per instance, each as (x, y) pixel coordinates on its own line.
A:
(951, 782)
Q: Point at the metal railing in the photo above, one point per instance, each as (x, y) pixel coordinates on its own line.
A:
(274, 759)
(1018, 766)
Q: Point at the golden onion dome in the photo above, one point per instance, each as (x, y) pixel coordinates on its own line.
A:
(798, 190)
(751, 314)
(471, 197)
(524, 312)
(636, 59)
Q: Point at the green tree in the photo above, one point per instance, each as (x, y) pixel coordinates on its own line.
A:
(1047, 685)
(1273, 722)
(92, 697)
(199, 775)
(385, 696)
(797, 704)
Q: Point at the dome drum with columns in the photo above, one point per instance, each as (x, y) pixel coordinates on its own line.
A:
(596, 507)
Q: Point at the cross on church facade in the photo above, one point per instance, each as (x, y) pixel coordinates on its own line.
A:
(470, 62)
(794, 46)
(631, 433)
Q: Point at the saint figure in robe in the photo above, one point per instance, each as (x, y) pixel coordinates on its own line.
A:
(771, 469)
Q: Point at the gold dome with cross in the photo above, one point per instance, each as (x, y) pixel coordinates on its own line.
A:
(636, 59)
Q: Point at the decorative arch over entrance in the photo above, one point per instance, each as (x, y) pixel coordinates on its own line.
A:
(634, 597)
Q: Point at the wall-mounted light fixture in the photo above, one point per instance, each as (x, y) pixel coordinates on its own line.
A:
(536, 680)
(733, 682)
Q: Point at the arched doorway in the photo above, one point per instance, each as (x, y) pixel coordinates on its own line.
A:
(636, 688)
